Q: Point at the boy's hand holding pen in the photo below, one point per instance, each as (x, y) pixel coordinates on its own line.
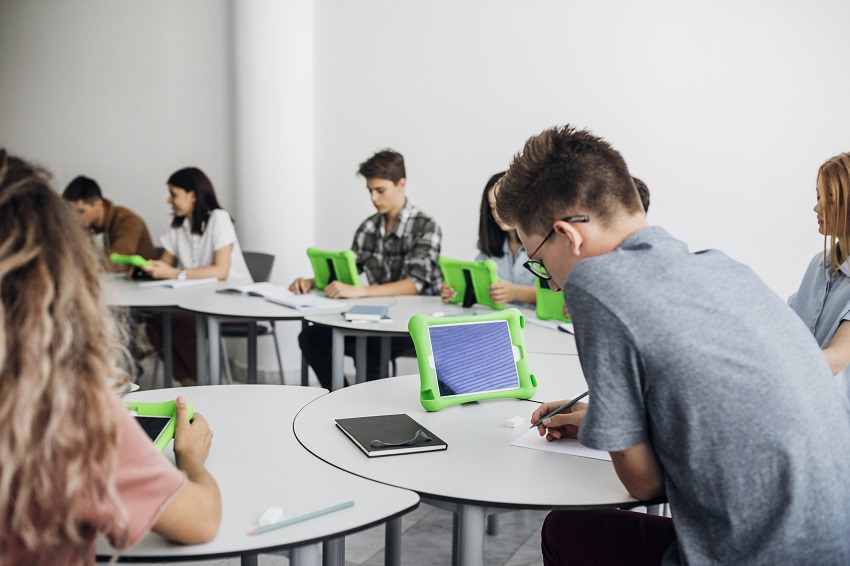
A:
(560, 419)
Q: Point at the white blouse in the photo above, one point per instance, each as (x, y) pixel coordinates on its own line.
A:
(193, 250)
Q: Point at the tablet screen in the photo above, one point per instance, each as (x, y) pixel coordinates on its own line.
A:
(153, 426)
(473, 357)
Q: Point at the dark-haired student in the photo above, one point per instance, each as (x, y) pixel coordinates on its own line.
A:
(201, 243)
(705, 387)
(120, 230)
(500, 243)
(396, 248)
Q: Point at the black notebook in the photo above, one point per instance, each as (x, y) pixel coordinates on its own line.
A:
(385, 435)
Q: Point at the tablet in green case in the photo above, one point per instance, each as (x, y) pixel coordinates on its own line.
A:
(550, 304)
(165, 409)
(470, 358)
(134, 260)
(470, 280)
(333, 266)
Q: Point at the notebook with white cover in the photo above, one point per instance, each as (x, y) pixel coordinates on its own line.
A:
(253, 289)
(303, 302)
(177, 284)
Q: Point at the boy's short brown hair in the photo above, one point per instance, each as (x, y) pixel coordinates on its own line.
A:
(562, 171)
(385, 164)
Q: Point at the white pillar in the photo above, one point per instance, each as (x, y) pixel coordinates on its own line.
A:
(273, 125)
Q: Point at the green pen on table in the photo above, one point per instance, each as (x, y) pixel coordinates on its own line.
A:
(566, 405)
(301, 518)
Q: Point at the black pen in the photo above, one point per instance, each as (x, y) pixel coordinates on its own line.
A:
(566, 405)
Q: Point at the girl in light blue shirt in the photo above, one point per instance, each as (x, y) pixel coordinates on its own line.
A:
(500, 243)
(823, 300)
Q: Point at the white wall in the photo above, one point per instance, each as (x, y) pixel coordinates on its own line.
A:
(124, 92)
(725, 109)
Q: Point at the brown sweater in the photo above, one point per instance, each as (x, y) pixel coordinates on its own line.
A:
(124, 232)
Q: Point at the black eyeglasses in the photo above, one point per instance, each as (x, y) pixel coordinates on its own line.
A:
(537, 267)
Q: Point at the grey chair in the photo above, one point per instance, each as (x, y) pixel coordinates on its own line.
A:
(260, 267)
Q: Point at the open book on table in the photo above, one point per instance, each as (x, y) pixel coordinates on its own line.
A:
(178, 284)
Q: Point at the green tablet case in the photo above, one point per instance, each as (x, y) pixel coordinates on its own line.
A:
(163, 409)
(333, 266)
(429, 394)
(471, 281)
(134, 260)
(550, 304)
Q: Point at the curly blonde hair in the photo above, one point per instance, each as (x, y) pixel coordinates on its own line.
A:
(834, 181)
(58, 347)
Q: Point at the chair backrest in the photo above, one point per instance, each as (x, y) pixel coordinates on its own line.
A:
(259, 265)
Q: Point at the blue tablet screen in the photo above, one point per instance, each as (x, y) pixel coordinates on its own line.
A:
(473, 357)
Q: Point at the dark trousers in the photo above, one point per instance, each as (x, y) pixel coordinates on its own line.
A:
(315, 342)
(605, 538)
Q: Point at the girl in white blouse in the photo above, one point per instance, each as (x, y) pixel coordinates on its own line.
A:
(201, 243)
(202, 239)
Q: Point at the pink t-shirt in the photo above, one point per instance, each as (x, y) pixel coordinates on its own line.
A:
(146, 482)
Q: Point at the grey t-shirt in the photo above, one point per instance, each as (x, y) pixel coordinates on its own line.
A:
(693, 353)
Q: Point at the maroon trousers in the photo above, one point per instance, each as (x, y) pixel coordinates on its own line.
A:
(605, 538)
(183, 344)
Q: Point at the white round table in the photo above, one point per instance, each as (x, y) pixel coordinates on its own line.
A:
(258, 464)
(479, 470)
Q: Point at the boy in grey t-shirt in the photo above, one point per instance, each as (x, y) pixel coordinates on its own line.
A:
(704, 386)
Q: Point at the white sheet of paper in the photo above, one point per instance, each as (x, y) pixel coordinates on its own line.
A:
(532, 439)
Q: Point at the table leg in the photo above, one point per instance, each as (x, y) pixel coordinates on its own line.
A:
(305, 555)
(305, 368)
(333, 552)
(392, 542)
(385, 356)
(214, 331)
(338, 357)
(167, 354)
(471, 535)
(201, 347)
(252, 352)
(360, 358)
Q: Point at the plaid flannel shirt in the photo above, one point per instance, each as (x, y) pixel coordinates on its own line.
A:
(410, 251)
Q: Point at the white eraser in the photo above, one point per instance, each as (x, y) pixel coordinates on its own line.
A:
(271, 516)
(514, 422)
(438, 313)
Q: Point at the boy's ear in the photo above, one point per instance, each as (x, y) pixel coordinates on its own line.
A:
(401, 183)
(573, 236)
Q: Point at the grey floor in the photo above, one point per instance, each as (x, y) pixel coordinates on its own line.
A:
(426, 531)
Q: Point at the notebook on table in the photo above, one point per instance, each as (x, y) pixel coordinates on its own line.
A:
(386, 435)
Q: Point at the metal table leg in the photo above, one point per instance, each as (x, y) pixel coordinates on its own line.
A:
(333, 552)
(392, 542)
(252, 352)
(471, 535)
(338, 357)
(360, 358)
(167, 355)
(214, 330)
(201, 348)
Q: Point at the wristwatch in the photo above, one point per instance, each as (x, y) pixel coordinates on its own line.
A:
(181, 275)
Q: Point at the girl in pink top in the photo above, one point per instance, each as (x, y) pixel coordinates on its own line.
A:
(72, 461)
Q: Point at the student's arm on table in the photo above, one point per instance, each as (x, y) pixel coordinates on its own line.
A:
(447, 293)
(339, 290)
(504, 292)
(164, 269)
(193, 516)
(838, 351)
(640, 471)
(302, 285)
(637, 467)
